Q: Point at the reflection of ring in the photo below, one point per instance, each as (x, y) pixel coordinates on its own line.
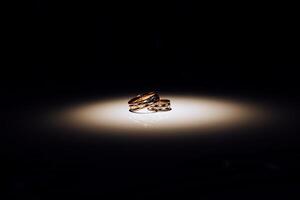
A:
(143, 101)
(161, 105)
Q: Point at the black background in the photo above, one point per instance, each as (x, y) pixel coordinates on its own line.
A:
(61, 45)
(63, 51)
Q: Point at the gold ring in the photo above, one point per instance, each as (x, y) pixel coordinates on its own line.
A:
(143, 101)
(161, 105)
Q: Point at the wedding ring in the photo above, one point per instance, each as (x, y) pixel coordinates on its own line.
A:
(161, 105)
(143, 101)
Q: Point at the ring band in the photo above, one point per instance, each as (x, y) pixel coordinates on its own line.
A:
(143, 101)
(161, 105)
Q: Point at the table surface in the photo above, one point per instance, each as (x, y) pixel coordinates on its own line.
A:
(46, 162)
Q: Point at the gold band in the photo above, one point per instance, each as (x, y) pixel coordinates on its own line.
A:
(161, 105)
(143, 101)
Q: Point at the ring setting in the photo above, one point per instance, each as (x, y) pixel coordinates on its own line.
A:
(161, 105)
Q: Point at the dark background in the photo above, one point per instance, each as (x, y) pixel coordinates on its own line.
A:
(87, 45)
(68, 50)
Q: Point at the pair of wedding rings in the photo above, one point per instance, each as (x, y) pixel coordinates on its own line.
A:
(150, 101)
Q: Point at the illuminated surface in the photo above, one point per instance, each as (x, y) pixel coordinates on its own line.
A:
(188, 114)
